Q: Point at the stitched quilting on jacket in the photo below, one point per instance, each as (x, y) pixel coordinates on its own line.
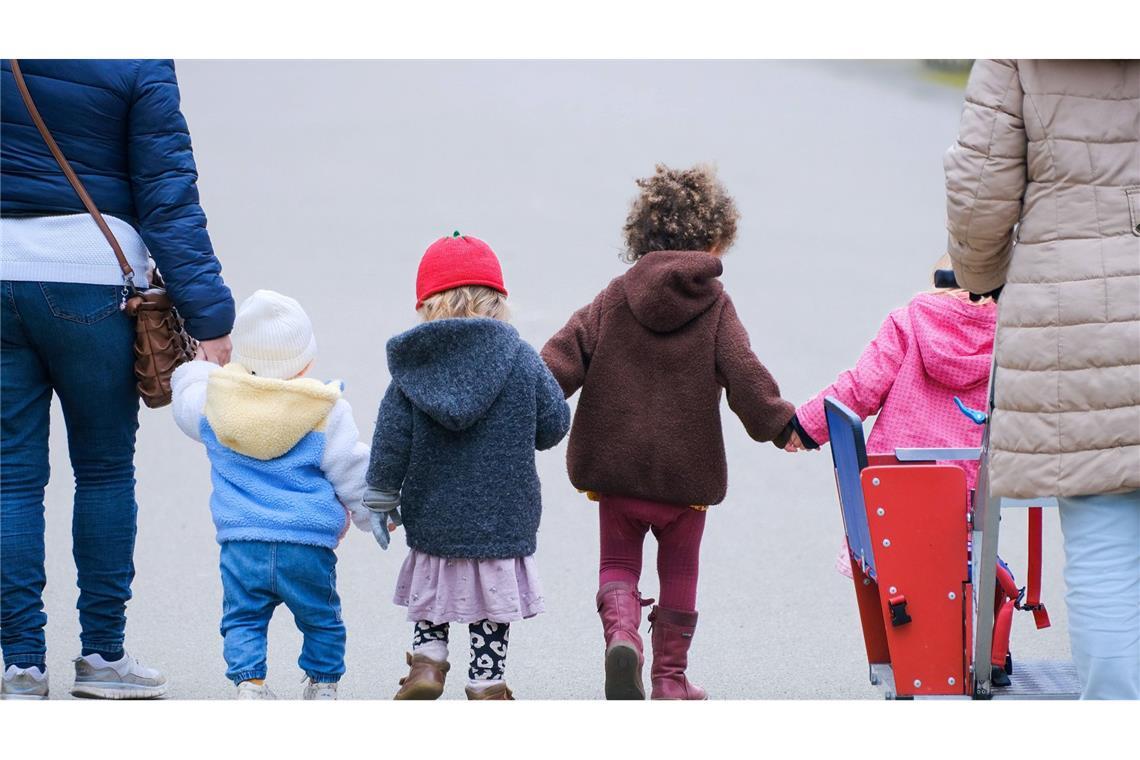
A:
(1043, 197)
(120, 126)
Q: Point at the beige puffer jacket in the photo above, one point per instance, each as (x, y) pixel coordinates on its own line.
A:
(1043, 196)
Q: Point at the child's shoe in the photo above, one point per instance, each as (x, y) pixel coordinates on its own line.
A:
(318, 690)
(24, 683)
(619, 606)
(125, 678)
(425, 679)
(254, 690)
(497, 690)
(672, 634)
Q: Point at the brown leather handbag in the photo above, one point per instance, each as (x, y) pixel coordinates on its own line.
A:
(161, 340)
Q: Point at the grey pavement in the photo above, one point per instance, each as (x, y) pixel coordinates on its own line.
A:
(326, 180)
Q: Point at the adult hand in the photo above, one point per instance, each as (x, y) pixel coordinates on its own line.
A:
(217, 350)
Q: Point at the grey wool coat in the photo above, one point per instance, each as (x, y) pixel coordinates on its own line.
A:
(468, 404)
(1043, 197)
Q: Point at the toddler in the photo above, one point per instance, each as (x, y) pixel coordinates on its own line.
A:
(286, 464)
(453, 461)
(651, 355)
(936, 347)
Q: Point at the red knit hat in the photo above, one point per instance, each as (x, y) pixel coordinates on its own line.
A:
(451, 262)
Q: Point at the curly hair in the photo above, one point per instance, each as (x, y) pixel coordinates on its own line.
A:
(680, 210)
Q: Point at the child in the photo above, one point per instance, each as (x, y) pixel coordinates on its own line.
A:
(651, 354)
(453, 458)
(286, 463)
(936, 347)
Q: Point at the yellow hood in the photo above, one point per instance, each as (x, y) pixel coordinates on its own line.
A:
(262, 417)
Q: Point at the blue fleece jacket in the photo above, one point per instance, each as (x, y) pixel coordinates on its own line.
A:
(469, 403)
(285, 459)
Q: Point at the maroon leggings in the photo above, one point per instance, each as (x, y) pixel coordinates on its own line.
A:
(678, 529)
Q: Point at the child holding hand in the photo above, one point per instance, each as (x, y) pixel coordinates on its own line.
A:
(936, 347)
(453, 460)
(286, 465)
(651, 355)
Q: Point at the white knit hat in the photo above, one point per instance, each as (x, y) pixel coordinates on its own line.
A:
(272, 336)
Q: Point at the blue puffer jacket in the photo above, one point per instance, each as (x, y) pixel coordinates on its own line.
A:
(119, 125)
(469, 403)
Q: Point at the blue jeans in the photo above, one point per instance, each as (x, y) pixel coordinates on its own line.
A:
(1102, 577)
(256, 577)
(73, 340)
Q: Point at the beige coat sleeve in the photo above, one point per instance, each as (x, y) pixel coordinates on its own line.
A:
(985, 176)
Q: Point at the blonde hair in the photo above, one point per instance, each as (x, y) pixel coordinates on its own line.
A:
(465, 301)
(960, 293)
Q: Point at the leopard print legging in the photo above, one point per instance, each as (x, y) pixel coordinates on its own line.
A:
(489, 641)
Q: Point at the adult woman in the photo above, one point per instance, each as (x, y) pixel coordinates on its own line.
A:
(1043, 199)
(119, 125)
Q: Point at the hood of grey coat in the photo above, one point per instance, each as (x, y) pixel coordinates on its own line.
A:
(453, 369)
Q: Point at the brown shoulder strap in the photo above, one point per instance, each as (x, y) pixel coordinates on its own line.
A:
(128, 271)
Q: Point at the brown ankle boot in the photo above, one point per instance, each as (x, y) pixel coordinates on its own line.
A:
(424, 680)
(498, 691)
(672, 634)
(619, 606)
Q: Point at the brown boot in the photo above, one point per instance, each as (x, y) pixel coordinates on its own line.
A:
(498, 691)
(619, 606)
(424, 680)
(672, 634)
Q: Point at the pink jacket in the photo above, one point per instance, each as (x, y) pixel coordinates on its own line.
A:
(934, 348)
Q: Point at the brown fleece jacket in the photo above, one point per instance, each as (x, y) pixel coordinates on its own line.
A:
(651, 354)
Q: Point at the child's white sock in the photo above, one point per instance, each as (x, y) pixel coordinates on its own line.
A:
(434, 649)
(481, 684)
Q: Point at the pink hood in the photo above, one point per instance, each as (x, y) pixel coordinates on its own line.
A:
(954, 338)
(934, 348)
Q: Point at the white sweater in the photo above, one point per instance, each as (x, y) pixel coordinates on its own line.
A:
(68, 248)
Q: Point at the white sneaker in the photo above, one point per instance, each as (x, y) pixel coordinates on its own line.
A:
(24, 683)
(251, 690)
(123, 679)
(315, 690)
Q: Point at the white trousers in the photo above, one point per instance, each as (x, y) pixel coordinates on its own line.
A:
(1102, 573)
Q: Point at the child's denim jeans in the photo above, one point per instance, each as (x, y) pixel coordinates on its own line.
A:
(256, 577)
